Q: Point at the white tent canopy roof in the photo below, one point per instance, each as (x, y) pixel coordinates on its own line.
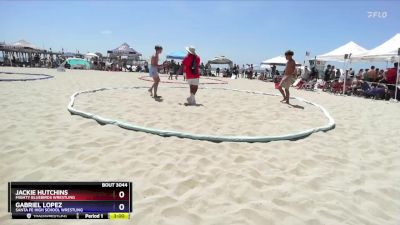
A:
(279, 61)
(338, 53)
(90, 55)
(386, 51)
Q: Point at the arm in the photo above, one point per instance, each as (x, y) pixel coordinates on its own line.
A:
(183, 64)
(198, 64)
(160, 66)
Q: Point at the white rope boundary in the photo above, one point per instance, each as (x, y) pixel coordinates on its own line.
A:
(168, 133)
(39, 76)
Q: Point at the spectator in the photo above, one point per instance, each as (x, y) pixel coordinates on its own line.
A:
(381, 74)
(314, 73)
(191, 64)
(332, 73)
(327, 74)
(202, 69)
(360, 74)
(365, 77)
(391, 74)
(338, 74)
(372, 75)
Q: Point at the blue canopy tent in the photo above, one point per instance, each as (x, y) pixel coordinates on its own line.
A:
(177, 55)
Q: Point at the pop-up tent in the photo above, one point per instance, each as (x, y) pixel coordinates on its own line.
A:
(387, 51)
(277, 61)
(177, 55)
(338, 54)
(123, 50)
(265, 66)
(220, 60)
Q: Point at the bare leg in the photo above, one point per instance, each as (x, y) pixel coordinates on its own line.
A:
(287, 95)
(151, 89)
(283, 94)
(156, 82)
(193, 89)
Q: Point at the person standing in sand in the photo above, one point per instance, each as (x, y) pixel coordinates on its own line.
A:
(191, 65)
(153, 71)
(288, 77)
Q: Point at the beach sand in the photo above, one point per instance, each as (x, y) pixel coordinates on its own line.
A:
(349, 175)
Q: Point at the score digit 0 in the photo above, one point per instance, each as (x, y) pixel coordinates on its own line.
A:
(121, 194)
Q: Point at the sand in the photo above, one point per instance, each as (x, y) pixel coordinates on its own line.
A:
(349, 175)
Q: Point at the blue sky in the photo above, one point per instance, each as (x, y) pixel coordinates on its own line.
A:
(245, 31)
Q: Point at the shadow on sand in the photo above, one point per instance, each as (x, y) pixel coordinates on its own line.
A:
(158, 99)
(296, 106)
(187, 104)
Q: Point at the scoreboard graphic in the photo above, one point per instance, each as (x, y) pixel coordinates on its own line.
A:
(70, 200)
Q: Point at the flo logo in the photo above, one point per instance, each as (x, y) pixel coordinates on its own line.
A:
(377, 14)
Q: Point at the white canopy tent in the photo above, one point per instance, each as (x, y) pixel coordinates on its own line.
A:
(277, 61)
(265, 66)
(337, 55)
(388, 51)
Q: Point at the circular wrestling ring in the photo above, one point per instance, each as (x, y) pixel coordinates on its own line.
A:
(168, 133)
(173, 81)
(39, 76)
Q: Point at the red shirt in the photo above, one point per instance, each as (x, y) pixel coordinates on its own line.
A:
(187, 63)
(391, 76)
